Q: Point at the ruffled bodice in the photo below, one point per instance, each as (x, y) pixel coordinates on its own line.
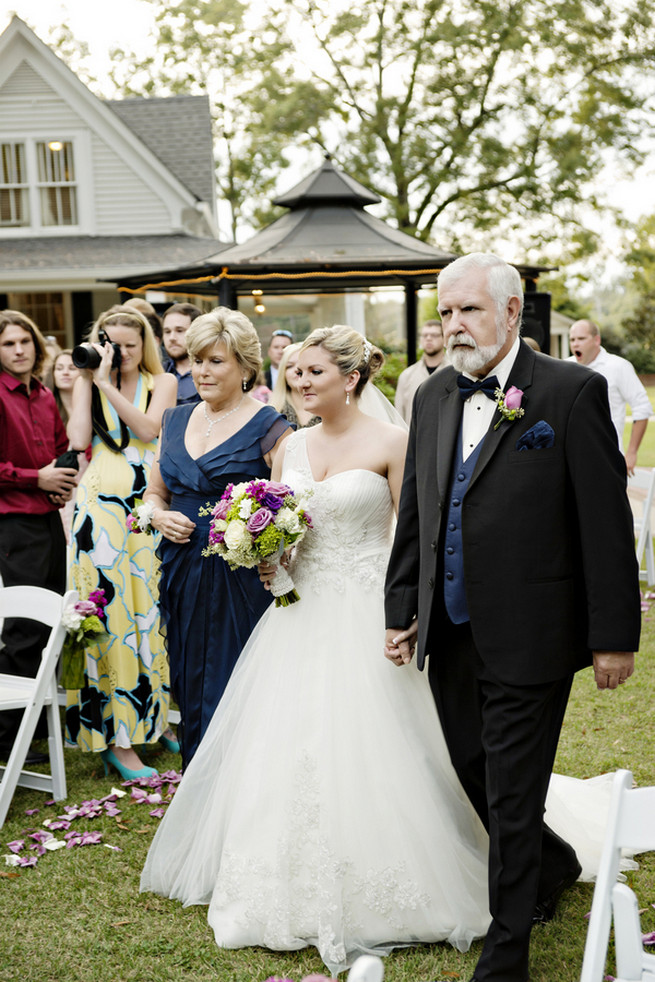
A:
(352, 515)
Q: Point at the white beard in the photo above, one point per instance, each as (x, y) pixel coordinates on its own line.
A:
(474, 357)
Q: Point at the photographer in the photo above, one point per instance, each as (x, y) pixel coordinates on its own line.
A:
(118, 402)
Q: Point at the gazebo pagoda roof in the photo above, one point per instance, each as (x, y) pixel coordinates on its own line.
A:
(326, 242)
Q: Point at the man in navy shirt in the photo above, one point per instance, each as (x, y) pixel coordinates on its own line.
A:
(176, 322)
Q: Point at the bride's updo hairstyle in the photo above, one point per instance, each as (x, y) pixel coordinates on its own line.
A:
(349, 350)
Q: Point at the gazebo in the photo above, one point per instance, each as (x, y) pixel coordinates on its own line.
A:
(326, 243)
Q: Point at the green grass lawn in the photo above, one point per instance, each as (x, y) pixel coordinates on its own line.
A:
(78, 916)
(646, 457)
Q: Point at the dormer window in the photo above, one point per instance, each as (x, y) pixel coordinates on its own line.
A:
(38, 188)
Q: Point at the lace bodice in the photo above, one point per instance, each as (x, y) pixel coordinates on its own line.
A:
(352, 514)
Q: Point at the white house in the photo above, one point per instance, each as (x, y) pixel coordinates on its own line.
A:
(90, 189)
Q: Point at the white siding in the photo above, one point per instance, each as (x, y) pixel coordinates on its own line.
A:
(124, 204)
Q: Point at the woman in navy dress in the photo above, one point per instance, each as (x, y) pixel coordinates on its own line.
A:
(208, 611)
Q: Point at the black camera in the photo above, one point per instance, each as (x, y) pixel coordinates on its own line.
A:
(86, 356)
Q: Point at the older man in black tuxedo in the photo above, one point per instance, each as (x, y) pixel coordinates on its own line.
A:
(513, 566)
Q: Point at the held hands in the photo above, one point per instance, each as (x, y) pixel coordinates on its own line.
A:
(173, 525)
(399, 644)
(57, 481)
(612, 668)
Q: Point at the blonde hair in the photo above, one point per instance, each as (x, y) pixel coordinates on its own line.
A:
(124, 316)
(281, 390)
(349, 350)
(232, 329)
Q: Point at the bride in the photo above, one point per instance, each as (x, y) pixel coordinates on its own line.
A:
(321, 807)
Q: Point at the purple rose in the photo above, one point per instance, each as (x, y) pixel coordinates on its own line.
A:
(513, 397)
(271, 501)
(277, 489)
(259, 521)
(85, 607)
(221, 509)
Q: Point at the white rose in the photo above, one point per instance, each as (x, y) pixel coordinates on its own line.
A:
(287, 521)
(71, 619)
(235, 534)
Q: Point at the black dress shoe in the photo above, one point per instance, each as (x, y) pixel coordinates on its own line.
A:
(545, 910)
(32, 756)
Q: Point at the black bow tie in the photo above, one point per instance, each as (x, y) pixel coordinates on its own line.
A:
(487, 385)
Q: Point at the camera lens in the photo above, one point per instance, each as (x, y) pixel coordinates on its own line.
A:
(85, 356)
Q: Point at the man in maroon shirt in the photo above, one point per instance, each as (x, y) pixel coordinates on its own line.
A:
(32, 490)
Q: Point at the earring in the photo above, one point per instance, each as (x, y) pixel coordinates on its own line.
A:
(347, 398)
(244, 385)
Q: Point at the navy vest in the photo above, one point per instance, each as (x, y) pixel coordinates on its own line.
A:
(454, 591)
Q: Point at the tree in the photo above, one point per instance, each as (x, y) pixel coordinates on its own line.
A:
(466, 116)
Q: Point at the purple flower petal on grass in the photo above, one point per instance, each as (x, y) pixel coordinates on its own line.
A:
(158, 812)
(32, 811)
(17, 845)
(649, 939)
(28, 860)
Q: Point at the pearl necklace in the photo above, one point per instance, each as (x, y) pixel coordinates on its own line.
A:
(212, 422)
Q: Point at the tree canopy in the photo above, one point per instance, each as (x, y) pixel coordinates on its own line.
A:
(466, 116)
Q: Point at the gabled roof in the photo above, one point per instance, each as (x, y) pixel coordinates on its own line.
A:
(178, 130)
(18, 42)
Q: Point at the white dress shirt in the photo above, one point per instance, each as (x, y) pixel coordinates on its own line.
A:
(623, 388)
(479, 409)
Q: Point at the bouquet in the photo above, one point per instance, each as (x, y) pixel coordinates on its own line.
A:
(255, 521)
(84, 621)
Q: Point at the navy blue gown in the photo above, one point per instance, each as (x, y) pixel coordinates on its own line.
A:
(207, 610)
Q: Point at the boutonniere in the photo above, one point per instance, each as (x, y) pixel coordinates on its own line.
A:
(509, 404)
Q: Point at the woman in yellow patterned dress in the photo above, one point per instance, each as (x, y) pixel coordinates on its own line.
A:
(118, 406)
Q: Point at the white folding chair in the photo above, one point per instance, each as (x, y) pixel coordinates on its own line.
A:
(367, 968)
(33, 694)
(644, 481)
(631, 825)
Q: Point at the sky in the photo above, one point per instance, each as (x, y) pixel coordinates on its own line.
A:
(104, 25)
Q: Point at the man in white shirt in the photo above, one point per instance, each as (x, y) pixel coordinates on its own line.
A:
(624, 388)
(431, 341)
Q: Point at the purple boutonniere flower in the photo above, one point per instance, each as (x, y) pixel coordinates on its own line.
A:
(509, 404)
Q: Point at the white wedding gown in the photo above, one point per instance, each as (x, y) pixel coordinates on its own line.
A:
(321, 807)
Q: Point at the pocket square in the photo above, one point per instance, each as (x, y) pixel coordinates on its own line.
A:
(541, 436)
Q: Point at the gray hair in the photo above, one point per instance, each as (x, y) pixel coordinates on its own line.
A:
(504, 280)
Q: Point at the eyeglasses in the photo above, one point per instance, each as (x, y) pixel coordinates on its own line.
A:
(283, 334)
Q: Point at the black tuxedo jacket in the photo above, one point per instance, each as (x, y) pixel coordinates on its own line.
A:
(549, 559)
